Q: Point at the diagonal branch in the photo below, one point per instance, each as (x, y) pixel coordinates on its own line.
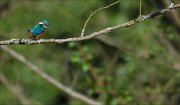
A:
(52, 81)
(14, 90)
(101, 32)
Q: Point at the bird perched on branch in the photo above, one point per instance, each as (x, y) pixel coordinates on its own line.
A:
(38, 30)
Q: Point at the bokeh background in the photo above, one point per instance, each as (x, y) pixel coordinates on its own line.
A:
(139, 65)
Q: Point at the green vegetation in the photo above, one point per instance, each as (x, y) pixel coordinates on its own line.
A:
(139, 65)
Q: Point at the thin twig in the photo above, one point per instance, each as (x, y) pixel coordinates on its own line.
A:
(46, 77)
(101, 32)
(84, 28)
(140, 8)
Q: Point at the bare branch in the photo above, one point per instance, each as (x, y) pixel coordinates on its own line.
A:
(84, 28)
(14, 90)
(140, 8)
(101, 32)
(52, 81)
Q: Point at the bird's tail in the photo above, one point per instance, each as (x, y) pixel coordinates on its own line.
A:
(28, 30)
(30, 35)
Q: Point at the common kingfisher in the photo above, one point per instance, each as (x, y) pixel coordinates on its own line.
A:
(38, 29)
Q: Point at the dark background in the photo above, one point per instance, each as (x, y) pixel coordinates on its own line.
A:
(139, 65)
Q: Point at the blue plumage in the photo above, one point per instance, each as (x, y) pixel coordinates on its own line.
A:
(38, 30)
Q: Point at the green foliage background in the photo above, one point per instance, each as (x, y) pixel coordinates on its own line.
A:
(130, 66)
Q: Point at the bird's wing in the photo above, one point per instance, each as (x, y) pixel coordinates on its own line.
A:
(37, 30)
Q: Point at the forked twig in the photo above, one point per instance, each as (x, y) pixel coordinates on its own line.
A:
(92, 13)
